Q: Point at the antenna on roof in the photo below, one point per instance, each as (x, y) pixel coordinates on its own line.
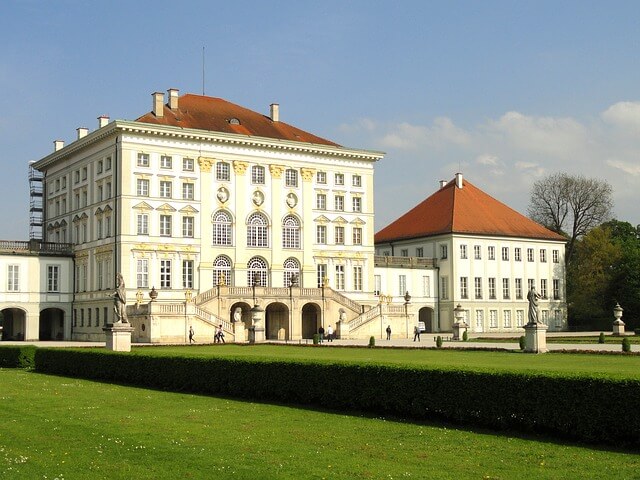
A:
(203, 71)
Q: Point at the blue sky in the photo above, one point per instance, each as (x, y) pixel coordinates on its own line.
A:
(505, 92)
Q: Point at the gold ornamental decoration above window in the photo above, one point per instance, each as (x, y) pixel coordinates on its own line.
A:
(276, 171)
(205, 164)
(240, 167)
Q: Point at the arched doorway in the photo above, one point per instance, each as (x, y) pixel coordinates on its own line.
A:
(277, 322)
(310, 320)
(13, 323)
(425, 315)
(245, 309)
(51, 324)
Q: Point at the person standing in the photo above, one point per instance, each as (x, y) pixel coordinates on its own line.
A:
(388, 332)
(330, 333)
(416, 333)
(220, 335)
(191, 334)
(321, 334)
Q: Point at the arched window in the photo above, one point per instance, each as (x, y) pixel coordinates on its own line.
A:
(257, 231)
(290, 232)
(291, 271)
(257, 270)
(221, 228)
(222, 271)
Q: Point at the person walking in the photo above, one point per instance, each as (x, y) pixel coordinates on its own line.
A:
(321, 334)
(330, 333)
(388, 332)
(219, 338)
(416, 333)
(191, 332)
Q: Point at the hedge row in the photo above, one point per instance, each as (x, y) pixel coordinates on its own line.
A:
(583, 408)
(19, 356)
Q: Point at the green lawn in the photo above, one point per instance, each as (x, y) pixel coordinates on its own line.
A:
(618, 366)
(56, 427)
(592, 340)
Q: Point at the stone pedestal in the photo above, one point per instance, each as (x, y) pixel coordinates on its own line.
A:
(259, 334)
(535, 338)
(118, 336)
(458, 330)
(618, 327)
(238, 332)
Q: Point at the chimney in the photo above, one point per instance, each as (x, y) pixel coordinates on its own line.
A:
(459, 180)
(173, 98)
(158, 104)
(442, 183)
(82, 132)
(103, 120)
(275, 112)
(58, 145)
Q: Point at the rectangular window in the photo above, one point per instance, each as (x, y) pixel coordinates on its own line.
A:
(505, 253)
(377, 284)
(543, 288)
(339, 179)
(357, 204)
(531, 283)
(558, 318)
(357, 278)
(491, 253)
(519, 318)
(339, 235)
(492, 288)
(321, 234)
(187, 191)
(402, 284)
(223, 171)
(142, 187)
(556, 256)
(53, 278)
(463, 252)
(357, 236)
(165, 189)
(100, 275)
(143, 224)
(165, 273)
(443, 252)
(188, 164)
(493, 318)
(142, 273)
(529, 254)
(143, 159)
(479, 320)
(187, 227)
(339, 203)
(108, 190)
(556, 289)
(165, 225)
(506, 315)
(543, 255)
(99, 169)
(257, 175)
(544, 314)
(517, 254)
(99, 228)
(477, 286)
(477, 252)
(419, 252)
(187, 274)
(321, 274)
(321, 178)
(464, 287)
(404, 252)
(339, 277)
(321, 201)
(84, 173)
(356, 181)
(518, 288)
(506, 294)
(108, 164)
(13, 278)
(444, 288)
(166, 161)
(291, 178)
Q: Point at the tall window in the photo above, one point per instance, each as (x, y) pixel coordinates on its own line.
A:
(222, 270)
(492, 288)
(426, 286)
(53, 278)
(357, 278)
(543, 255)
(165, 273)
(143, 159)
(142, 188)
(518, 283)
(556, 256)
(257, 272)
(165, 225)
(529, 254)
(356, 181)
(321, 201)
(166, 161)
(291, 271)
(339, 179)
(339, 277)
(464, 287)
(463, 252)
(257, 175)
(377, 284)
(339, 203)
(477, 287)
(543, 288)
(479, 320)
(444, 288)
(221, 228)
(443, 252)
(357, 236)
(491, 253)
(556, 289)
(419, 252)
(519, 318)
(505, 253)
(143, 224)
(339, 235)
(531, 283)
(187, 164)
(507, 318)
(13, 278)
(187, 274)
(493, 318)
(357, 204)
(142, 273)
(321, 274)
(223, 171)
(517, 254)
(187, 227)
(321, 178)
(187, 191)
(165, 189)
(291, 177)
(257, 231)
(290, 232)
(477, 252)
(506, 294)
(321, 234)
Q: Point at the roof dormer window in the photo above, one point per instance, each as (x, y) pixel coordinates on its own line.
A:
(234, 121)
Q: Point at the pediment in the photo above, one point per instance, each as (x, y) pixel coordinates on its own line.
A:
(322, 219)
(143, 206)
(188, 209)
(165, 207)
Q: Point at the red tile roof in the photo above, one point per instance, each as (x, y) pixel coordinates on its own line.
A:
(215, 115)
(466, 210)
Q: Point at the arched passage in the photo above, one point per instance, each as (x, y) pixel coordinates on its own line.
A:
(277, 322)
(245, 312)
(310, 320)
(425, 315)
(13, 323)
(51, 324)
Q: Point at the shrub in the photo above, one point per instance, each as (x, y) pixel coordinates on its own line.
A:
(522, 342)
(465, 336)
(637, 331)
(438, 341)
(316, 338)
(17, 356)
(601, 338)
(372, 342)
(626, 345)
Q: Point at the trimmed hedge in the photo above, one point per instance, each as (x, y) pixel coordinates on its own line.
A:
(573, 407)
(18, 356)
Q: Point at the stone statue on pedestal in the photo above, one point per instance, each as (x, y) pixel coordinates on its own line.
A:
(120, 300)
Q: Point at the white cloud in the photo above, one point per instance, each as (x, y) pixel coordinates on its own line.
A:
(441, 133)
(623, 114)
(626, 167)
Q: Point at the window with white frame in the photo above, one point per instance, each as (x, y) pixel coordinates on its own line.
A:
(290, 232)
(99, 228)
(529, 254)
(506, 315)
(402, 284)
(221, 228)
(491, 253)
(357, 204)
(357, 278)
(544, 315)
(479, 320)
(556, 289)
(339, 203)
(518, 287)
(517, 254)
(506, 294)
(519, 318)
(291, 271)
(377, 284)
(143, 224)
(291, 178)
(339, 277)
(223, 171)
(187, 191)
(464, 287)
(165, 225)
(257, 231)
(257, 175)
(493, 318)
(357, 236)
(165, 273)
(505, 253)
(321, 274)
(477, 252)
(339, 235)
(257, 269)
(321, 234)
(531, 283)
(321, 201)
(142, 188)
(463, 252)
(420, 252)
(108, 164)
(187, 274)
(321, 178)
(356, 180)
(142, 273)
(165, 189)
(443, 252)
(188, 164)
(339, 179)
(477, 287)
(543, 255)
(222, 270)
(556, 256)
(492, 288)
(444, 288)
(166, 161)
(13, 278)
(543, 288)
(187, 226)
(53, 278)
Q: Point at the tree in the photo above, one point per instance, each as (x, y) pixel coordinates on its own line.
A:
(570, 205)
